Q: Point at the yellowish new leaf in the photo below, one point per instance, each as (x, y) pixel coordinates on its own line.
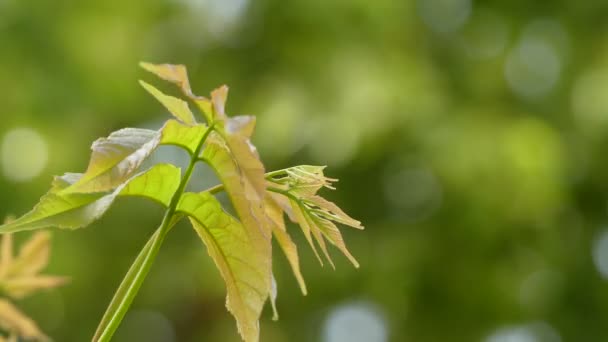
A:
(15, 322)
(241, 255)
(175, 106)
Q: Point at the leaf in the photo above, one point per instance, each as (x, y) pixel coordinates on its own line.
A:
(115, 159)
(62, 210)
(14, 321)
(76, 210)
(314, 214)
(19, 275)
(275, 214)
(240, 254)
(178, 134)
(178, 75)
(158, 184)
(175, 106)
(243, 180)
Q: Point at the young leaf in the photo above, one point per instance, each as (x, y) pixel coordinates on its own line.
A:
(175, 106)
(115, 159)
(19, 275)
(275, 214)
(178, 75)
(240, 255)
(158, 184)
(15, 322)
(313, 213)
(184, 136)
(76, 210)
(62, 210)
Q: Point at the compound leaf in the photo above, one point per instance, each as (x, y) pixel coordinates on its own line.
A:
(241, 256)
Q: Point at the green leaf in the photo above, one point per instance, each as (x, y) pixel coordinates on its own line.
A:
(175, 106)
(240, 254)
(178, 75)
(76, 210)
(115, 159)
(62, 210)
(158, 184)
(184, 136)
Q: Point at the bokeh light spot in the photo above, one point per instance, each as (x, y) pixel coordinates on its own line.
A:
(533, 67)
(412, 191)
(24, 154)
(535, 332)
(355, 322)
(600, 254)
(444, 16)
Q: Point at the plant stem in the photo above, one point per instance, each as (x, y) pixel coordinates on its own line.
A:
(141, 266)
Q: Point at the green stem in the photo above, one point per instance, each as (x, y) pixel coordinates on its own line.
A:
(220, 187)
(141, 266)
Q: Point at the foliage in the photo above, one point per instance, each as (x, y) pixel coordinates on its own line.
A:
(19, 277)
(240, 247)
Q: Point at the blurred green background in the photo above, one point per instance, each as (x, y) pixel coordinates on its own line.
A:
(470, 138)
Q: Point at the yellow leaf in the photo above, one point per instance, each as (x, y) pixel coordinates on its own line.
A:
(275, 214)
(241, 255)
(14, 321)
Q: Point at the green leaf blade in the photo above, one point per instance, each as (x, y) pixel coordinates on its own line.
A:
(177, 107)
(115, 159)
(240, 256)
(159, 184)
(184, 136)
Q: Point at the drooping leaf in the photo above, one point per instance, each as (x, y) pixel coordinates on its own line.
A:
(115, 159)
(76, 210)
(184, 136)
(240, 255)
(275, 214)
(15, 322)
(158, 184)
(178, 108)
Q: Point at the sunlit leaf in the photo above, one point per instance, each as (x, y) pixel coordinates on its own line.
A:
(76, 210)
(316, 216)
(14, 321)
(158, 184)
(62, 210)
(115, 159)
(184, 136)
(275, 214)
(178, 75)
(240, 254)
(175, 106)
(19, 275)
